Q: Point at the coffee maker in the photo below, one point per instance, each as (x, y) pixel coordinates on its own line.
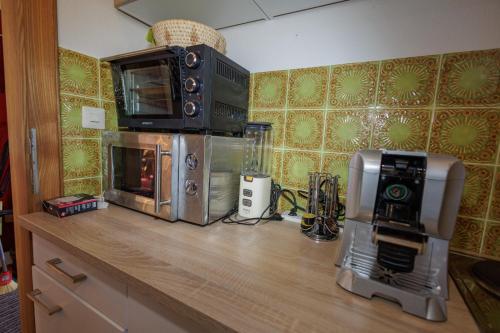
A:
(400, 215)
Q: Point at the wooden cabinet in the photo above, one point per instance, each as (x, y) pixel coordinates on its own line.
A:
(107, 295)
(59, 310)
(146, 316)
(72, 296)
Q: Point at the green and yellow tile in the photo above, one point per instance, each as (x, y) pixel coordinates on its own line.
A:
(470, 79)
(304, 129)
(71, 117)
(106, 80)
(277, 119)
(467, 236)
(408, 82)
(401, 129)
(495, 200)
(307, 88)
(78, 74)
(353, 85)
(296, 168)
(111, 116)
(81, 158)
(250, 92)
(338, 164)
(269, 90)
(469, 134)
(276, 168)
(86, 185)
(491, 244)
(347, 131)
(476, 192)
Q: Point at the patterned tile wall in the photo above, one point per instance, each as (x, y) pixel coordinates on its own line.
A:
(83, 81)
(441, 103)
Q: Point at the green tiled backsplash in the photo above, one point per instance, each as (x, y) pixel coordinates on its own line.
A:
(442, 103)
(83, 81)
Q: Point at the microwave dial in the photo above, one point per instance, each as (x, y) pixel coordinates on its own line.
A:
(191, 85)
(191, 109)
(191, 161)
(191, 187)
(192, 60)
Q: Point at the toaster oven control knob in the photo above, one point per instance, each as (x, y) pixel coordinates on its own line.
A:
(191, 187)
(191, 85)
(192, 60)
(191, 109)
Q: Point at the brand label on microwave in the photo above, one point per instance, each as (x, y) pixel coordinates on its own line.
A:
(147, 123)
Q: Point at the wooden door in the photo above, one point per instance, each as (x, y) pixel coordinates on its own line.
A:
(31, 58)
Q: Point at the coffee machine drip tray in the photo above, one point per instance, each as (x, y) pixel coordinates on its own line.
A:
(363, 259)
(422, 292)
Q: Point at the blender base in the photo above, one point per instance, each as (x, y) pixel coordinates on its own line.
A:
(255, 196)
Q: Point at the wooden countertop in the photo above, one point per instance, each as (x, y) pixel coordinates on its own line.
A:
(260, 278)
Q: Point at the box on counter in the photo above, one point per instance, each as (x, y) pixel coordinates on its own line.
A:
(70, 205)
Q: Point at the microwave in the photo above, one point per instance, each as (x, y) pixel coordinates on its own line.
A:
(189, 177)
(175, 88)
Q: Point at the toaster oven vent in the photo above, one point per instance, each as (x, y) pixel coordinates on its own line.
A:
(232, 74)
(226, 111)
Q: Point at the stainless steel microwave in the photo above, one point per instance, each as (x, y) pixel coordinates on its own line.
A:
(189, 177)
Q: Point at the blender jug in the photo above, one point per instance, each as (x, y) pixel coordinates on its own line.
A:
(255, 179)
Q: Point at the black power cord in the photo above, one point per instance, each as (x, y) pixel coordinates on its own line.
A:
(276, 193)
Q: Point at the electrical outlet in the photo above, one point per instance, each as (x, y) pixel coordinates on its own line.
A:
(292, 218)
(93, 117)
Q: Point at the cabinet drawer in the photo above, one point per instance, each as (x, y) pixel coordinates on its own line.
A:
(145, 315)
(58, 310)
(106, 295)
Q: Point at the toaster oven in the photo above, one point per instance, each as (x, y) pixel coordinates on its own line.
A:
(174, 88)
(189, 177)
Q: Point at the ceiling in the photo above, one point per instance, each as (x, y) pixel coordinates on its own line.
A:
(216, 13)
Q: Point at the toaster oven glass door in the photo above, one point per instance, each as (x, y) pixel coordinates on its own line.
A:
(152, 89)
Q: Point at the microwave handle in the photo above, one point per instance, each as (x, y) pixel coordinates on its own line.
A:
(158, 181)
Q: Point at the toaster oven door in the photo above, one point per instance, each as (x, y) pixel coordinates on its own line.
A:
(141, 172)
(148, 90)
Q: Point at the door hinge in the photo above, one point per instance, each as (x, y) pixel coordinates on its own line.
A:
(35, 180)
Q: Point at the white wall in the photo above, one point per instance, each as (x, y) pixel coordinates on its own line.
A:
(363, 30)
(353, 31)
(96, 28)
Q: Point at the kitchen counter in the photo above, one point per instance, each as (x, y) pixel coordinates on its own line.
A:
(260, 278)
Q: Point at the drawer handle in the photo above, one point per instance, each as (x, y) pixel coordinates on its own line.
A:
(33, 296)
(53, 264)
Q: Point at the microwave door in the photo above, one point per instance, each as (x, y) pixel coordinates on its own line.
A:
(162, 196)
(166, 180)
(141, 177)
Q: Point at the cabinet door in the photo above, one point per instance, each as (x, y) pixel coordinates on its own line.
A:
(145, 315)
(103, 293)
(58, 310)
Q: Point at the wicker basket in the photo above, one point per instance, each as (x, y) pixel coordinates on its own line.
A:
(186, 33)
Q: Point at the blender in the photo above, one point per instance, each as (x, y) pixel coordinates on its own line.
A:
(255, 180)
